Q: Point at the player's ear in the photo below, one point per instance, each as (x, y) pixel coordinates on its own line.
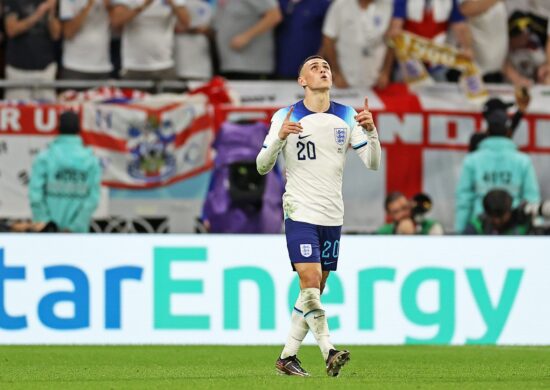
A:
(302, 81)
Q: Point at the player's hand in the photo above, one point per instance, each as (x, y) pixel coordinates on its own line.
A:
(364, 118)
(289, 127)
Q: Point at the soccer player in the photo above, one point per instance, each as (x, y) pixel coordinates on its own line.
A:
(314, 135)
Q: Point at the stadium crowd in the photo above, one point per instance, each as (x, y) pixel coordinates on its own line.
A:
(266, 39)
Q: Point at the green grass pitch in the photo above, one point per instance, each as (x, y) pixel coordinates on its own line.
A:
(226, 367)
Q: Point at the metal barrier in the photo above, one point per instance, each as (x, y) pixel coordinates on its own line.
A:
(158, 86)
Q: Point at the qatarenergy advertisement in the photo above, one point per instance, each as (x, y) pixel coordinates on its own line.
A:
(144, 289)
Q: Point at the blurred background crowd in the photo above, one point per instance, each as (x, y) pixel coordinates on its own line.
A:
(265, 39)
(185, 40)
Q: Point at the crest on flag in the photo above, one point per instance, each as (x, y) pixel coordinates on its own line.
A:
(340, 135)
(305, 250)
(151, 147)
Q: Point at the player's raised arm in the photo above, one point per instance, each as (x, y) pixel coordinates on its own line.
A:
(364, 118)
(364, 138)
(275, 141)
(289, 127)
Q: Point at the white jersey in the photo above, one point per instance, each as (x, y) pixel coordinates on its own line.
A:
(93, 37)
(315, 160)
(148, 39)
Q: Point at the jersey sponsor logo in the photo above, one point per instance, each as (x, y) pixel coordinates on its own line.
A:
(340, 135)
(305, 250)
(302, 137)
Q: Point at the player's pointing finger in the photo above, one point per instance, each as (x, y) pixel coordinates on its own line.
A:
(366, 103)
(289, 113)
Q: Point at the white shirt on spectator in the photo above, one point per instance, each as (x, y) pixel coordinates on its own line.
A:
(88, 50)
(490, 37)
(192, 51)
(517, 5)
(542, 9)
(148, 40)
(359, 35)
(233, 17)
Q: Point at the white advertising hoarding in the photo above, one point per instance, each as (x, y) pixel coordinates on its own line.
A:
(238, 289)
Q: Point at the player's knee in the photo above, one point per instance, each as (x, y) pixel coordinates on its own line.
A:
(311, 280)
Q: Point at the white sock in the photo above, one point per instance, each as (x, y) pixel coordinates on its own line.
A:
(298, 330)
(316, 319)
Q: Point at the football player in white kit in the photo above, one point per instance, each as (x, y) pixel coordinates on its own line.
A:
(314, 135)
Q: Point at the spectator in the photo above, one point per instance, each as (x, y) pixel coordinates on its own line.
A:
(494, 104)
(192, 45)
(31, 29)
(148, 29)
(2, 45)
(430, 19)
(87, 36)
(496, 164)
(65, 180)
(498, 217)
(526, 60)
(540, 12)
(353, 40)
(487, 20)
(299, 35)
(400, 211)
(245, 37)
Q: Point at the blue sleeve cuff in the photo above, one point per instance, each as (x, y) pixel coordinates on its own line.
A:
(359, 146)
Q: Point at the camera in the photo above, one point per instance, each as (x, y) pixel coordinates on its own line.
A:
(534, 210)
(537, 215)
(421, 205)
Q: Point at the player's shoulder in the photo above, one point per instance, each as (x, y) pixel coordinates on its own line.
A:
(344, 112)
(299, 111)
(343, 108)
(281, 113)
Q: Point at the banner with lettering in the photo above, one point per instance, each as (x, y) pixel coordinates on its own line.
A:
(424, 136)
(140, 146)
(144, 147)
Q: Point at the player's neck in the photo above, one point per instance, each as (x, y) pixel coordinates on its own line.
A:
(317, 101)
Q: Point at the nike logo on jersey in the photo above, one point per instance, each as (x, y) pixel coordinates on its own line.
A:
(302, 137)
(315, 317)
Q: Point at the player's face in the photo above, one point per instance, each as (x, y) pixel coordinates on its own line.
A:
(399, 209)
(316, 75)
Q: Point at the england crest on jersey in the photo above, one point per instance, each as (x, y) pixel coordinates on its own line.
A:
(305, 250)
(340, 135)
